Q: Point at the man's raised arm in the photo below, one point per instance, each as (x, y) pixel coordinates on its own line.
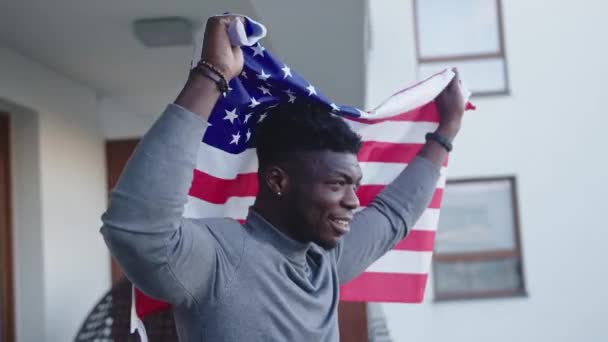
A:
(165, 255)
(379, 227)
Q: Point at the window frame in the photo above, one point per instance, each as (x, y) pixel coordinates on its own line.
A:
(500, 54)
(486, 255)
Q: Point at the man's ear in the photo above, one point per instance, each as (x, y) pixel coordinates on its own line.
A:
(277, 180)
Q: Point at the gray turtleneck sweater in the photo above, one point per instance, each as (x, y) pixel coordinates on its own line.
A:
(233, 282)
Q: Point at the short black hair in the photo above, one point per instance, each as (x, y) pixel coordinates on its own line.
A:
(292, 128)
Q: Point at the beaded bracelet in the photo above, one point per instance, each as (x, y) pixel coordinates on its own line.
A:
(208, 70)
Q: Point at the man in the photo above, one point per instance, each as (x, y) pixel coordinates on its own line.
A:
(277, 276)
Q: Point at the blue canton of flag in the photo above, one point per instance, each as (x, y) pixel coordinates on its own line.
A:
(264, 83)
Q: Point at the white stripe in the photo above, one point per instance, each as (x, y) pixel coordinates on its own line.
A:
(414, 97)
(404, 132)
(220, 164)
(428, 221)
(397, 261)
(238, 207)
(235, 207)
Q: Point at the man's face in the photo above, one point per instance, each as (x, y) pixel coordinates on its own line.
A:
(323, 197)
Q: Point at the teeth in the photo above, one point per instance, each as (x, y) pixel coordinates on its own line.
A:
(342, 223)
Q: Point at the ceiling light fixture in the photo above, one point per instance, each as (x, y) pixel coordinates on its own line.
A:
(163, 32)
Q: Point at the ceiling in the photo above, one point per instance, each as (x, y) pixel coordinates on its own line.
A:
(92, 42)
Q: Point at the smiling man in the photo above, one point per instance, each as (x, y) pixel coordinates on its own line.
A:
(277, 276)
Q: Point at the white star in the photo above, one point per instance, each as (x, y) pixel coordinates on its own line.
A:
(258, 50)
(235, 138)
(311, 90)
(262, 117)
(248, 135)
(334, 107)
(265, 90)
(231, 115)
(286, 71)
(292, 98)
(263, 76)
(291, 95)
(247, 116)
(244, 74)
(254, 103)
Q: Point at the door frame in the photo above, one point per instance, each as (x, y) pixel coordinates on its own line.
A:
(7, 298)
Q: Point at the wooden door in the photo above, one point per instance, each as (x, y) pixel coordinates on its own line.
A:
(117, 155)
(7, 317)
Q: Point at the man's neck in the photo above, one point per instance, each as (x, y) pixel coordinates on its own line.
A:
(276, 216)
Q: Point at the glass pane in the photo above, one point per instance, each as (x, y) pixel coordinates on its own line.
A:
(457, 27)
(466, 276)
(480, 75)
(476, 216)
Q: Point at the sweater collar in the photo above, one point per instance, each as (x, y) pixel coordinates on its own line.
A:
(291, 248)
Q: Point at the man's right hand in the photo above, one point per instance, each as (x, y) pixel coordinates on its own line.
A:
(200, 93)
(217, 49)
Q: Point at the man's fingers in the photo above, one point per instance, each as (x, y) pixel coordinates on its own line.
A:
(455, 82)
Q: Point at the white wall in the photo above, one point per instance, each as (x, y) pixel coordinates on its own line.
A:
(62, 265)
(322, 40)
(117, 121)
(550, 133)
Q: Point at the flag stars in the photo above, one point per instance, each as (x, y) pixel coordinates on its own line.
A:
(235, 138)
(334, 107)
(248, 134)
(244, 74)
(231, 115)
(311, 90)
(258, 50)
(254, 103)
(263, 76)
(286, 71)
(291, 94)
(247, 116)
(262, 117)
(265, 90)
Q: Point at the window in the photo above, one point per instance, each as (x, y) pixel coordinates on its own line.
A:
(477, 248)
(466, 34)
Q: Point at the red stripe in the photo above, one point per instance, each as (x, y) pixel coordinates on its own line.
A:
(426, 113)
(145, 305)
(218, 190)
(417, 240)
(374, 151)
(367, 193)
(385, 287)
(383, 152)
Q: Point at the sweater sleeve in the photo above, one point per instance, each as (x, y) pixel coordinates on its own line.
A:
(379, 227)
(168, 257)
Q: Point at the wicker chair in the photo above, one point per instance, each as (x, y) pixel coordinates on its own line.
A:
(110, 320)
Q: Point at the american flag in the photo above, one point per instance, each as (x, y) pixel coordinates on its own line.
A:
(225, 182)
